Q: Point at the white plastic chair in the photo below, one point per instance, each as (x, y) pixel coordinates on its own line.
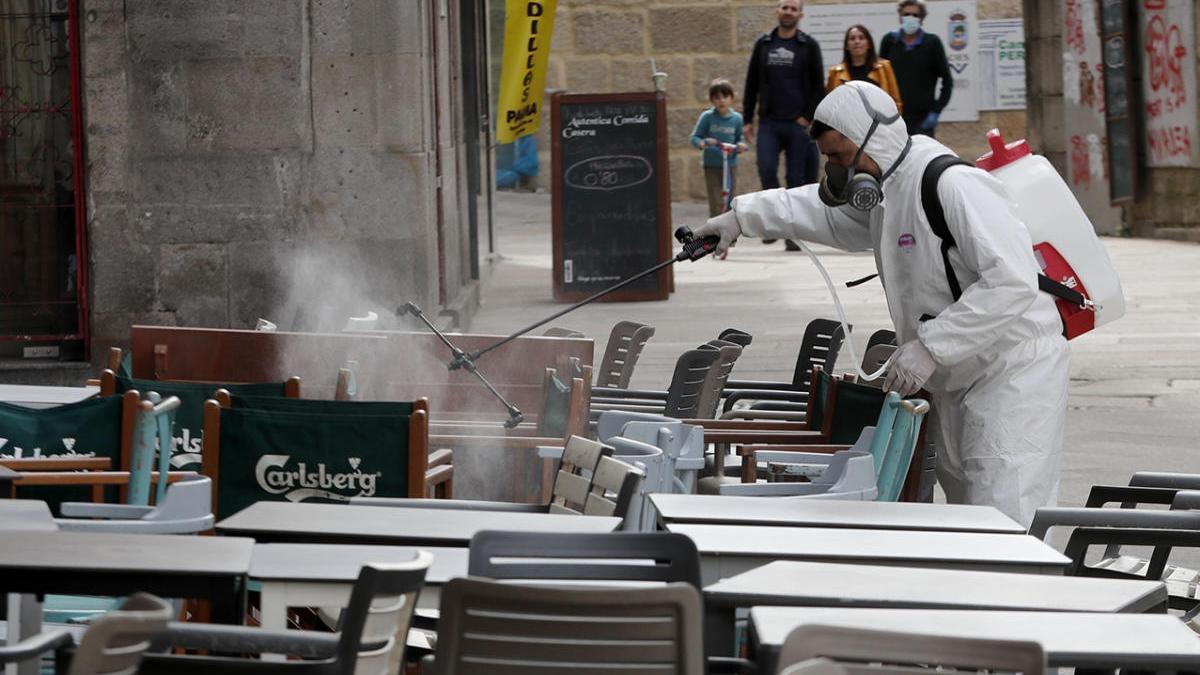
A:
(682, 444)
(641, 516)
(185, 509)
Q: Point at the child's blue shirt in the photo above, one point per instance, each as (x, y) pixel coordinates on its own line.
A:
(726, 129)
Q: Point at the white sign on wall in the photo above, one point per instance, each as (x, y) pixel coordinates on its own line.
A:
(1001, 64)
(953, 21)
(1169, 82)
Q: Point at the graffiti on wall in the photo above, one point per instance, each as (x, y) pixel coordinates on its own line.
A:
(1168, 82)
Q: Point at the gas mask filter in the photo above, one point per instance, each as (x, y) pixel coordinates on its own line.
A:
(846, 185)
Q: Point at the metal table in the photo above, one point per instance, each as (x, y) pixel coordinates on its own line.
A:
(727, 550)
(803, 512)
(285, 522)
(36, 396)
(1070, 639)
(94, 563)
(28, 515)
(805, 584)
(323, 575)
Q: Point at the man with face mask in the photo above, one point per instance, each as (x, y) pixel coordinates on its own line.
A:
(919, 61)
(994, 358)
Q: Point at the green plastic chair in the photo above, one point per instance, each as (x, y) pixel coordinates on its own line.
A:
(893, 451)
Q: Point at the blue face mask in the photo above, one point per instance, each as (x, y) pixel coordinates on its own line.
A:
(910, 24)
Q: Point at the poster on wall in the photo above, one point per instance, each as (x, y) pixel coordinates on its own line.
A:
(1169, 82)
(1001, 54)
(1084, 113)
(953, 21)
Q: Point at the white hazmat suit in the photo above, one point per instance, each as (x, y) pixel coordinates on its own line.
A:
(1000, 384)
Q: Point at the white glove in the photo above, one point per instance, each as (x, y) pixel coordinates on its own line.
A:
(725, 225)
(910, 369)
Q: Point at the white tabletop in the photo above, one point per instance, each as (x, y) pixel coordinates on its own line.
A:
(803, 512)
(748, 546)
(839, 585)
(342, 562)
(345, 523)
(1069, 638)
(36, 396)
(27, 515)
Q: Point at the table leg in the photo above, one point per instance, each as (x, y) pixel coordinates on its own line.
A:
(229, 601)
(719, 627)
(24, 621)
(273, 608)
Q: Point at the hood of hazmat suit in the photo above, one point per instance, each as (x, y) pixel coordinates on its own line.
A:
(1000, 388)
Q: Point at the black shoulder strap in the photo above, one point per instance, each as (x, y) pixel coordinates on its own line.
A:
(937, 222)
(937, 216)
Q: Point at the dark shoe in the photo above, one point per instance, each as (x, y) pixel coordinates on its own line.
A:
(769, 241)
(789, 245)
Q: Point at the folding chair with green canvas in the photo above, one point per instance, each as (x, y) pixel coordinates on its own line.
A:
(323, 453)
(189, 419)
(98, 428)
(439, 473)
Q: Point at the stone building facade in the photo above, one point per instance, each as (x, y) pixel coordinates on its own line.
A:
(296, 160)
(607, 45)
(1168, 198)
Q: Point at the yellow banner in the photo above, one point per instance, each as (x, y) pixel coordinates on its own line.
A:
(528, 25)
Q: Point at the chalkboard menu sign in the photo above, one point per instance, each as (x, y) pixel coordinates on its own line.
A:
(612, 202)
(1119, 100)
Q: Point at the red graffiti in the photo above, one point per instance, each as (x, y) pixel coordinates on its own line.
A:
(1073, 26)
(1080, 171)
(1165, 54)
(1168, 142)
(1100, 88)
(1087, 85)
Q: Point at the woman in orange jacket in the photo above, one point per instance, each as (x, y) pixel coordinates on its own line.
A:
(859, 62)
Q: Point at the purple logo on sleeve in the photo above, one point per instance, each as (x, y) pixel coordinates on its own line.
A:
(907, 241)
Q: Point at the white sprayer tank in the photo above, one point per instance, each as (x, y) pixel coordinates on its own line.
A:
(1064, 240)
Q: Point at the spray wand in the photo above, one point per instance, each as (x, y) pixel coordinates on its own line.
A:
(693, 249)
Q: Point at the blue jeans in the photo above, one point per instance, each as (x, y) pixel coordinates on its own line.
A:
(792, 139)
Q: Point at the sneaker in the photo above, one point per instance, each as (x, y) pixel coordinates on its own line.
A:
(769, 241)
(789, 245)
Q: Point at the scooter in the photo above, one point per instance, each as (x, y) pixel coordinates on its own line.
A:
(693, 249)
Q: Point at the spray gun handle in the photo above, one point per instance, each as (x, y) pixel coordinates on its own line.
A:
(694, 249)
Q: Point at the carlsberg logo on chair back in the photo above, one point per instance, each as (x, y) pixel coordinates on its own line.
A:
(300, 481)
(308, 456)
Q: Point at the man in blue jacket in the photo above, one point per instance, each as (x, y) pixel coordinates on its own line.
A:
(784, 84)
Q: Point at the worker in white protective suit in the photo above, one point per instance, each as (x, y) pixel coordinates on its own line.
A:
(995, 360)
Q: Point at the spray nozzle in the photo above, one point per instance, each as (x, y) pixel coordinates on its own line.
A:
(408, 308)
(694, 249)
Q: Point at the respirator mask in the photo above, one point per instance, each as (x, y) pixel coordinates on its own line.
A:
(846, 185)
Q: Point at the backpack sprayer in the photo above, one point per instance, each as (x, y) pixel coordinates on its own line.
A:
(693, 249)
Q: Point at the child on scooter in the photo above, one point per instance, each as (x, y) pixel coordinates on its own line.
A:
(719, 126)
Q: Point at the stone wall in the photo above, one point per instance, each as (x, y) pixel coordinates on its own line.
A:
(606, 46)
(1168, 206)
(268, 159)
